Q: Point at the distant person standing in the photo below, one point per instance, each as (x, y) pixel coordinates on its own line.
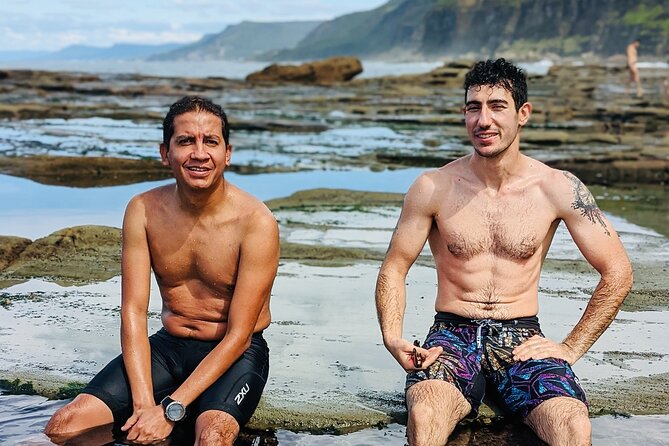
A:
(632, 58)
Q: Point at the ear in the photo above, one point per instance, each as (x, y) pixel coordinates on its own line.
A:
(228, 154)
(524, 113)
(163, 155)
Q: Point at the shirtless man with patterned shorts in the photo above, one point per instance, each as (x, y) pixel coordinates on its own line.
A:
(489, 218)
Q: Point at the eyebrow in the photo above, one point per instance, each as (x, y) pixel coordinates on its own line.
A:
(182, 138)
(491, 101)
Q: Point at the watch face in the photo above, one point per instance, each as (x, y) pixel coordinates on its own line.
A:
(175, 411)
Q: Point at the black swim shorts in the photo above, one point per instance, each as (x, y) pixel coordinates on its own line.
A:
(173, 359)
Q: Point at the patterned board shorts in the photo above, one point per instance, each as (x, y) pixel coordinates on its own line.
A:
(478, 353)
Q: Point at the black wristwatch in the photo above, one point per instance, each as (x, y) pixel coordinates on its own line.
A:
(174, 410)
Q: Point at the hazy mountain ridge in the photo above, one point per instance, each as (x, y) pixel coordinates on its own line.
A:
(87, 52)
(420, 29)
(246, 40)
(429, 28)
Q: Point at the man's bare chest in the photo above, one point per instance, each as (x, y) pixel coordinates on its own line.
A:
(509, 229)
(209, 257)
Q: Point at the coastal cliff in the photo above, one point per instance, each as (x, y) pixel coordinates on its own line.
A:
(485, 28)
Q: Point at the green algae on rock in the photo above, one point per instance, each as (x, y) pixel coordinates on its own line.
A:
(77, 254)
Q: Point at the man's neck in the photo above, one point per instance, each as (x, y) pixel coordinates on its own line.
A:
(496, 172)
(202, 201)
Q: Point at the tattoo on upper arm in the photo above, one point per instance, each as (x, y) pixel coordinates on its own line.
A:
(585, 203)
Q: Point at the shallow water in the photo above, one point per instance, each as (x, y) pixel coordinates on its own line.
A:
(22, 419)
(322, 355)
(33, 210)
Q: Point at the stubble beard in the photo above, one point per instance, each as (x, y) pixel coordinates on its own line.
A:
(491, 155)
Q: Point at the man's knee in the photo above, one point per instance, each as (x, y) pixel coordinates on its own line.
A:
(422, 412)
(83, 412)
(579, 428)
(215, 427)
(434, 409)
(562, 420)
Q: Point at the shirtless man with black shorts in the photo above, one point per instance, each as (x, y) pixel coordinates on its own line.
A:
(214, 251)
(489, 218)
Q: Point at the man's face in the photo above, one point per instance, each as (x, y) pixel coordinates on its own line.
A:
(492, 122)
(197, 152)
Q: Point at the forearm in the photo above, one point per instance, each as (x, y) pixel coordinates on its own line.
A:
(390, 304)
(212, 367)
(137, 359)
(599, 313)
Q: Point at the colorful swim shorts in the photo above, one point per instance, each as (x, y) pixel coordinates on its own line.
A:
(478, 354)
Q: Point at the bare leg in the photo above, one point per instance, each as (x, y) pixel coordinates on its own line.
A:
(636, 78)
(82, 414)
(435, 408)
(215, 427)
(561, 421)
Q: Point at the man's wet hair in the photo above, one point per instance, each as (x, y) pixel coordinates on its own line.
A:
(499, 73)
(193, 104)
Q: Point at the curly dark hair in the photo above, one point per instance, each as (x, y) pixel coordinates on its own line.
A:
(193, 103)
(499, 73)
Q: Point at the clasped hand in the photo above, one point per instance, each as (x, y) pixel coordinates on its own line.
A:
(148, 426)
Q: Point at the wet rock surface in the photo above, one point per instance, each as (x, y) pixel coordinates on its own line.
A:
(341, 267)
(583, 120)
(60, 299)
(327, 71)
(82, 253)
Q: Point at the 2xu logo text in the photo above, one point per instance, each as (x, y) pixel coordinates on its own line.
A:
(242, 393)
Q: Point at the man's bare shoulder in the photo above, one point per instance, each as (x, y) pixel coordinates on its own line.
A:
(251, 208)
(146, 201)
(562, 188)
(442, 176)
(432, 187)
(157, 194)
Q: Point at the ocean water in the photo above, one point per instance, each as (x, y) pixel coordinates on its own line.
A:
(230, 69)
(227, 69)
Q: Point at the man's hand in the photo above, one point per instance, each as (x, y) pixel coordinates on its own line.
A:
(538, 347)
(148, 425)
(403, 352)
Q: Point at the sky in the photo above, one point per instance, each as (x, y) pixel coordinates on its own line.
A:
(50, 25)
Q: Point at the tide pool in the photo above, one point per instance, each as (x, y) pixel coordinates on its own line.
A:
(33, 210)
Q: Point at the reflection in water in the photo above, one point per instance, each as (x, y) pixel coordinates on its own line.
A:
(33, 210)
(22, 418)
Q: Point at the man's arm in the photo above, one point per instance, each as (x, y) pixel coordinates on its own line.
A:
(408, 239)
(258, 264)
(600, 245)
(135, 286)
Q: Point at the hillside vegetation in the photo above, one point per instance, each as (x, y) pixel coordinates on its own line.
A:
(431, 28)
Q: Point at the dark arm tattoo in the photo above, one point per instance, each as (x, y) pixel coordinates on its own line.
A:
(585, 202)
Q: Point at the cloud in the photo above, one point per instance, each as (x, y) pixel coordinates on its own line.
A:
(40, 41)
(51, 25)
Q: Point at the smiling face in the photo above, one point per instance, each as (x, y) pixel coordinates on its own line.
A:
(197, 152)
(491, 119)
